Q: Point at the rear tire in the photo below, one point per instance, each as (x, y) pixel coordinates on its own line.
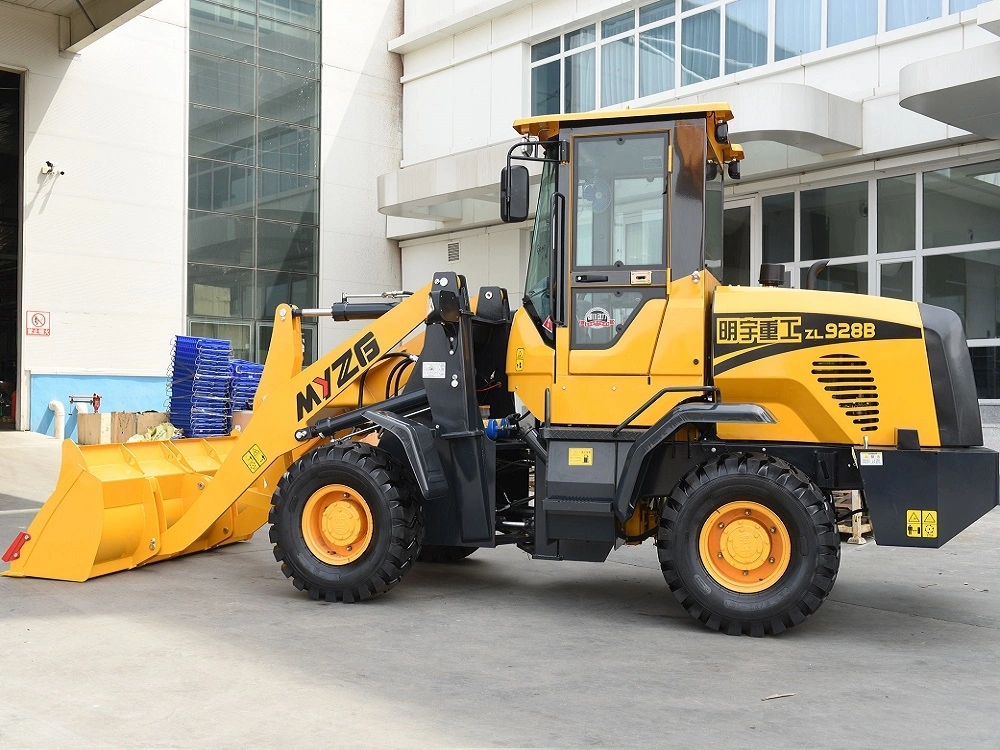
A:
(439, 553)
(345, 523)
(748, 545)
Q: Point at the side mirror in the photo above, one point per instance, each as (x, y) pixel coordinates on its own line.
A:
(514, 193)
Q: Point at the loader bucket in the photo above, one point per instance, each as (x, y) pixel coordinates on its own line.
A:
(113, 503)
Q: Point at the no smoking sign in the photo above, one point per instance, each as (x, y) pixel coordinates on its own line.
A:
(38, 323)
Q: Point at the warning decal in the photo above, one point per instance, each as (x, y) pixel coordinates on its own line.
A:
(922, 523)
(519, 359)
(581, 456)
(254, 458)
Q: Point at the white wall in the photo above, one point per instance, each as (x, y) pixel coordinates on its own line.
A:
(103, 245)
(361, 135)
(496, 256)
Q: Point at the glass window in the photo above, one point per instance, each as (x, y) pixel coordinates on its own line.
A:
(900, 13)
(220, 291)
(288, 197)
(220, 238)
(545, 89)
(656, 12)
(962, 205)
(986, 370)
(222, 83)
(600, 317)
(289, 48)
(580, 37)
(217, 134)
(218, 186)
(223, 31)
(288, 148)
(897, 214)
(692, 4)
(276, 287)
(618, 25)
(847, 20)
(580, 82)
(537, 285)
(834, 221)
(955, 6)
(548, 48)
(746, 35)
(896, 280)
(288, 98)
(287, 247)
(299, 12)
(237, 334)
(778, 230)
(797, 27)
(736, 247)
(619, 201)
(656, 60)
(969, 284)
(250, 5)
(700, 47)
(618, 71)
(850, 277)
(714, 213)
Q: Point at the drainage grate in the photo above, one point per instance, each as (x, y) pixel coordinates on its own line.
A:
(849, 381)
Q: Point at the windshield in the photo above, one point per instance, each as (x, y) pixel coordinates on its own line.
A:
(537, 286)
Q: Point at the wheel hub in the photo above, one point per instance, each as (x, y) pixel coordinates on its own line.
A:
(337, 524)
(745, 546)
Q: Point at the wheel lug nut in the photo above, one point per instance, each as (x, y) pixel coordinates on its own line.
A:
(719, 555)
(773, 529)
(770, 559)
(349, 549)
(746, 513)
(722, 525)
(745, 572)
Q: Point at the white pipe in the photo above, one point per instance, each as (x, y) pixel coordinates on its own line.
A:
(82, 407)
(59, 420)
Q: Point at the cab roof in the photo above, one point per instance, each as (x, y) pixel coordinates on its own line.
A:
(545, 127)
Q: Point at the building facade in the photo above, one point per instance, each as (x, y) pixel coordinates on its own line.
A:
(869, 128)
(209, 160)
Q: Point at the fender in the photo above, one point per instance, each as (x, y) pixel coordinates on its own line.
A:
(418, 443)
(680, 415)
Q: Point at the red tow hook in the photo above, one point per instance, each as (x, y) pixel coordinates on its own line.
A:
(14, 551)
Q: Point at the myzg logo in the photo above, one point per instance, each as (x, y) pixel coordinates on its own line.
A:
(346, 366)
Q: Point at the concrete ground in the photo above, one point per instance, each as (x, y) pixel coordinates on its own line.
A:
(219, 650)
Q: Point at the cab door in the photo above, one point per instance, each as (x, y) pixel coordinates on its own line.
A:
(617, 241)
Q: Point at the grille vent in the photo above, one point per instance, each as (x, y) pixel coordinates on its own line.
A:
(454, 254)
(848, 380)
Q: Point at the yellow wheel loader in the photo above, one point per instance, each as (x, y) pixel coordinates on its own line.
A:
(629, 397)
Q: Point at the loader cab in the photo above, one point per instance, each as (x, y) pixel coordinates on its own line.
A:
(628, 202)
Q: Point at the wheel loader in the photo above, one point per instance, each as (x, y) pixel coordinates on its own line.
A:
(629, 397)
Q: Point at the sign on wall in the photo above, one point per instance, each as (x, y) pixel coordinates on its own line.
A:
(38, 323)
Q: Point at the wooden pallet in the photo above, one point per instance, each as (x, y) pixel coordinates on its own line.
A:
(859, 523)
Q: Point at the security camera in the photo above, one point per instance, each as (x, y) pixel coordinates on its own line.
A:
(51, 167)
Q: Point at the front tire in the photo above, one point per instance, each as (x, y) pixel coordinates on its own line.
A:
(345, 523)
(748, 545)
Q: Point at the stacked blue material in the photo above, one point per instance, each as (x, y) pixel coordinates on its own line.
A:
(199, 385)
(246, 378)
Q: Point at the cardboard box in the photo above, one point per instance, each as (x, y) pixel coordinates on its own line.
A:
(93, 429)
(116, 426)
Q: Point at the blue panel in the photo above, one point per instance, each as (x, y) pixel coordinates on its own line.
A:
(118, 393)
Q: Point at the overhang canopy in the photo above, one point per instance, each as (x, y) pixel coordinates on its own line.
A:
(960, 88)
(88, 20)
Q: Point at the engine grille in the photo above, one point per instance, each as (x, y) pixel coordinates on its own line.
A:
(849, 381)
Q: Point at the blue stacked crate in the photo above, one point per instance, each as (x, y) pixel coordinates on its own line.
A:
(246, 378)
(199, 385)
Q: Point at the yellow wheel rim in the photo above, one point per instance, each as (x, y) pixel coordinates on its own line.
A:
(745, 547)
(337, 524)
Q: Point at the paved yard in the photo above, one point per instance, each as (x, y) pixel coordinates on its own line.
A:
(219, 650)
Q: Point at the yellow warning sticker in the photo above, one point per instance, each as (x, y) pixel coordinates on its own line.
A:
(519, 359)
(922, 523)
(581, 456)
(254, 458)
